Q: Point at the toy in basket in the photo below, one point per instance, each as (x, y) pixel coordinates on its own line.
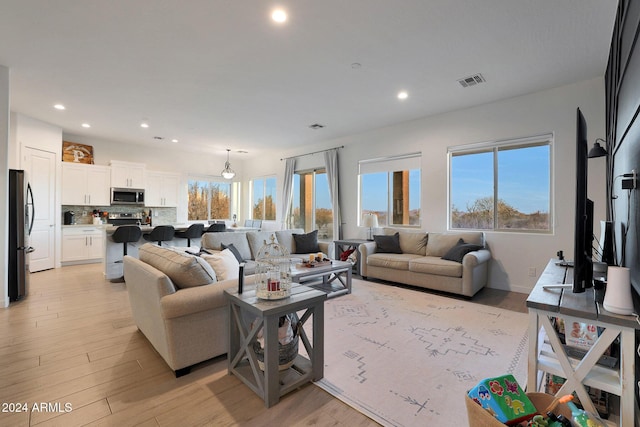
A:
(504, 398)
(273, 271)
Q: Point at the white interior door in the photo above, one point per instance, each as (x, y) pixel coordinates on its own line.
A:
(40, 167)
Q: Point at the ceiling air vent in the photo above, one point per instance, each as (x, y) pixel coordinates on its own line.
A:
(472, 80)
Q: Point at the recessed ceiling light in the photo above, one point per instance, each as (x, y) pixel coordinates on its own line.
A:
(279, 15)
(356, 65)
(86, 125)
(59, 107)
(174, 140)
(144, 125)
(403, 95)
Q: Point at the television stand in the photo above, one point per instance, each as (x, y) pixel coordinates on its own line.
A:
(543, 305)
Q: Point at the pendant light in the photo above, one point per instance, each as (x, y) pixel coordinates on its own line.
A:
(227, 172)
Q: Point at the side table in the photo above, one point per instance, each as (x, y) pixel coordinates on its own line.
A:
(344, 244)
(271, 383)
(544, 304)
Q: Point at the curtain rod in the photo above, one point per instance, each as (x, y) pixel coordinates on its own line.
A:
(315, 152)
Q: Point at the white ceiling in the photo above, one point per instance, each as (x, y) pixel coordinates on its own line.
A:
(219, 73)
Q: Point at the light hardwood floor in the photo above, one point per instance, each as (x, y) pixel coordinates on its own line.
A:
(72, 341)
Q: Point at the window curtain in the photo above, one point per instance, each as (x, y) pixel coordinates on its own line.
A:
(331, 164)
(287, 190)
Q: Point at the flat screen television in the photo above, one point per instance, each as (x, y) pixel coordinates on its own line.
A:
(583, 238)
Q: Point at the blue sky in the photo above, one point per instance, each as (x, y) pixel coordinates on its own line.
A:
(523, 178)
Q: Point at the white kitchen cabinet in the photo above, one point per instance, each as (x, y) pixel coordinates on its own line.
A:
(162, 189)
(85, 185)
(127, 174)
(82, 244)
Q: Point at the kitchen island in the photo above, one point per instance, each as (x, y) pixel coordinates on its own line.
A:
(113, 252)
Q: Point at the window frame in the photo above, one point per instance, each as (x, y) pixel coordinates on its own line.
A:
(314, 199)
(494, 147)
(211, 179)
(408, 159)
(264, 179)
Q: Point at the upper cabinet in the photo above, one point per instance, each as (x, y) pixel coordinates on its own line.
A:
(85, 184)
(127, 174)
(162, 189)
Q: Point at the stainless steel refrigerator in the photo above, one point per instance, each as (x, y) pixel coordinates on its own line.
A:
(21, 214)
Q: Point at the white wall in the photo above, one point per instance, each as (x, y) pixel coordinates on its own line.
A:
(542, 112)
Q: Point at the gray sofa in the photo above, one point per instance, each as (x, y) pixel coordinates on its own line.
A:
(249, 243)
(178, 306)
(421, 264)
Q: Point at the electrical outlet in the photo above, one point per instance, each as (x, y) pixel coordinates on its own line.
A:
(84, 213)
(532, 272)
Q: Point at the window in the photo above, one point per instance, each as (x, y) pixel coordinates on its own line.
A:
(209, 199)
(263, 198)
(311, 204)
(390, 188)
(501, 186)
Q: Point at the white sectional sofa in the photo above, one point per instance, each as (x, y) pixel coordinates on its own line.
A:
(419, 261)
(248, 244)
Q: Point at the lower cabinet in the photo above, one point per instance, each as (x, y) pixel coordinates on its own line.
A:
(82, 244)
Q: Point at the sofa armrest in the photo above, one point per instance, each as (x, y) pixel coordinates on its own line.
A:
(365, 249)
(475, 268)
(199, 298)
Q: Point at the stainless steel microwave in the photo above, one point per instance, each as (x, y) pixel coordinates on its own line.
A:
(127, 196)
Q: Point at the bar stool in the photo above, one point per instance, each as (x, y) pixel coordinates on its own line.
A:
(216, 228)
(126, 234)
(160, 233)
(193, 232)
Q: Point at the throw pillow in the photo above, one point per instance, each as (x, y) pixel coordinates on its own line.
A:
(184, 270)
(224, 264)
(307, 243)
(234, 251)
(458, 252)
(388, 244)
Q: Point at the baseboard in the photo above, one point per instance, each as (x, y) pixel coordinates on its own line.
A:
(513, 288)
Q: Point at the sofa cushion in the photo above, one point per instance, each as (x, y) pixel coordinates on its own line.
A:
(411, 242)
(285, 238)
(234, 251)
(458, 252)
(239, 240)
(183, 269)
(306, 243)
(224, 264)
(393, 261)
(436, 266)
(439, 244)
(388, 244)
(257, 239)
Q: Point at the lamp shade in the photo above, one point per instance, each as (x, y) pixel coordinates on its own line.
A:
(370, 220)
(597, 151)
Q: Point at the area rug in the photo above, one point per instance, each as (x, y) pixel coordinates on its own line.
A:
(406, 358)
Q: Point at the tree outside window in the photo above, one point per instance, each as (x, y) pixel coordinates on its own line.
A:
(263, 198)
(208, 200)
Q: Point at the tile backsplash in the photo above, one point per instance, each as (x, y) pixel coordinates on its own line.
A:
(84, 214)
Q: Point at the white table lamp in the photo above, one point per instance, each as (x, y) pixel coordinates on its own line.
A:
(370, 220)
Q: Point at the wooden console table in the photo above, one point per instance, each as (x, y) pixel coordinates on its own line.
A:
(545, 304)
(270, 384)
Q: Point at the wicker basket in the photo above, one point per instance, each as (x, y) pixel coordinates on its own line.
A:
(479, 417)
(287, 353)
